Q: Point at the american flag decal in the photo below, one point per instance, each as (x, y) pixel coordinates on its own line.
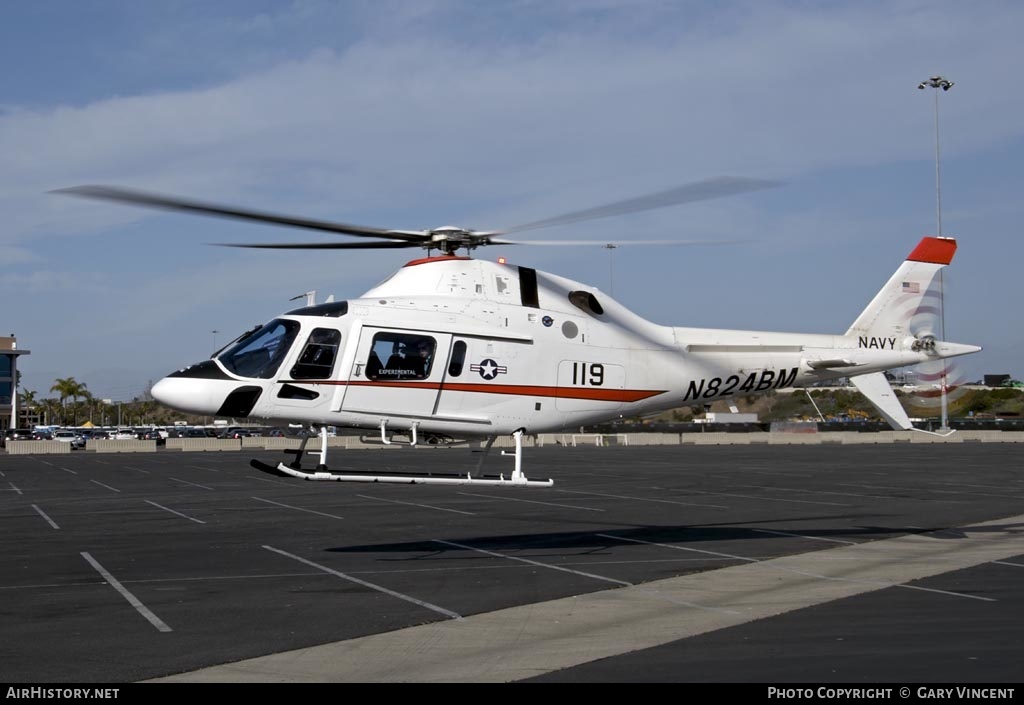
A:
(911, 288)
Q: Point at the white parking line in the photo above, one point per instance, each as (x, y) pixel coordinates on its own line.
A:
(901, 490)
(644, 499)
(413, 504)
(947, 592)
(536, 563)
(14, 488)
(767, 499)
(531, 501)
(200, 467)
(806, 491)
(144, 472)
(968, 484)
(50, 521)
(65, 469)
(773, 565)
(1015, 565)
(267, 479)
(803, 536)
(166, 509)
(372, 586)
(321, 574)
(132, 600)
(773, 473)
(194, 484)
(657, 593)
(680, 548)
(112, 489)
(298, 509)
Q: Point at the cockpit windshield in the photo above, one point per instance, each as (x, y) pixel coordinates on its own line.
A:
(260, 354)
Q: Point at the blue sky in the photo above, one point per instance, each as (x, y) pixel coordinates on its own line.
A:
(488, 114)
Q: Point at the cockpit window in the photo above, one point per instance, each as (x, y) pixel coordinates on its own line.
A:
(317, 359)
(259, 355)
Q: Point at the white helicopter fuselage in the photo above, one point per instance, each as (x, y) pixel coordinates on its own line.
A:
(508, 348)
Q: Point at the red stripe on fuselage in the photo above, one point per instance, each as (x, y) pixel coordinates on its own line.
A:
(523, 390)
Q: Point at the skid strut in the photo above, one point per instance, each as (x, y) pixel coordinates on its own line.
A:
(321, 474)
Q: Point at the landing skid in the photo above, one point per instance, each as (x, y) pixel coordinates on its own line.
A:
(322, 474)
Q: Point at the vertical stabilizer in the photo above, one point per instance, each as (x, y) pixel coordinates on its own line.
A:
(910, 303)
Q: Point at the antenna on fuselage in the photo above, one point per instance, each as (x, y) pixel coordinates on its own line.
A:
(310, 297)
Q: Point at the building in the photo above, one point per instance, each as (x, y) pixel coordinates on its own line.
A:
(9, 354)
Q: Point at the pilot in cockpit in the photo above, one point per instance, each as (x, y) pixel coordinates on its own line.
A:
(420, 362)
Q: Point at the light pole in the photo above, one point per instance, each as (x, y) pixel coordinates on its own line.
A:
(215, 332)
(937, 82)
(611, 279)
(945, 84)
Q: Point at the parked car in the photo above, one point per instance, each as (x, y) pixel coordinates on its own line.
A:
(239, 433)
(17, 434)
(71, 437)
(152, 435)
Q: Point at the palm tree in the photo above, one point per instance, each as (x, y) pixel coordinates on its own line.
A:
(84, 406)
(28, 405)
(69, 387)
(50, 409)
(95, 407)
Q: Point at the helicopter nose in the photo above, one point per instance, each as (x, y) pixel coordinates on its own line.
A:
(197, 396)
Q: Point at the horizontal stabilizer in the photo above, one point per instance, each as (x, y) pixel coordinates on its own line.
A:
(881, 395)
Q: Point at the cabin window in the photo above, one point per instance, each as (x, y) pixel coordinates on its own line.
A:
(400, 356)
(317, 358)
(458, 360)
(290, 391)
(259, 353)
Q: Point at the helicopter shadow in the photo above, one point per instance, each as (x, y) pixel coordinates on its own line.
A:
(699, 536)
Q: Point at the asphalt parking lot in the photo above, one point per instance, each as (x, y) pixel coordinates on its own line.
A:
(128, 567)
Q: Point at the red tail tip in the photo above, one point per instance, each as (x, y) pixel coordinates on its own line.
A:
(934, 250)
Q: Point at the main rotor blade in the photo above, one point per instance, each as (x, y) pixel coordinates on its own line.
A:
(376, 245)
(609, 243)
(688, 193)
(173, 203)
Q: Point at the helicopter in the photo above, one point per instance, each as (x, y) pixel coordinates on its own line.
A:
(450, 348)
